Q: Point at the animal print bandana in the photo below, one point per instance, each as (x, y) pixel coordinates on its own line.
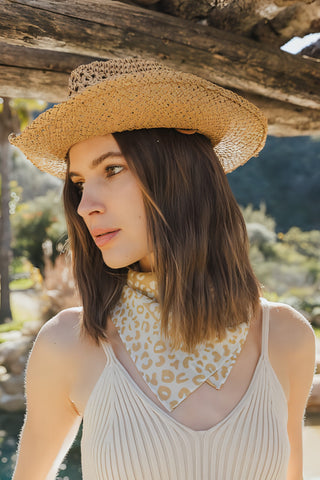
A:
(171, 375)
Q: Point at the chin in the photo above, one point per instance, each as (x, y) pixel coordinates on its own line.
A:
(116, 264)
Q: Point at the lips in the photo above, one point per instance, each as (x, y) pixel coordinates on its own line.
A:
(102, 236)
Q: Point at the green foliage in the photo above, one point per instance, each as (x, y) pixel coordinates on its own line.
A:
(27, 109)
(288, 267)
(33, 224)
(21, 284)
(15, 195)
(19, 265)
(32, 182)
(19, 317)
(286, 176)
(302, 250)
(305, 243)
(260, 216)
(10, 326)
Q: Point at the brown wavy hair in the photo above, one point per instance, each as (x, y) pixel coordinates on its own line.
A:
(198, 235)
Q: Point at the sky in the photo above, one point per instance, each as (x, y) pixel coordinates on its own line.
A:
(296, 44)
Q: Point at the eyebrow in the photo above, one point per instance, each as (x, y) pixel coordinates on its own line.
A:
(97, 161)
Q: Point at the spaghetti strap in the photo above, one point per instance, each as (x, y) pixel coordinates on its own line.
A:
(107, 350)
(265, 328)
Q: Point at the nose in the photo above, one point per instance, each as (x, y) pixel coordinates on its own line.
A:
(91, 202)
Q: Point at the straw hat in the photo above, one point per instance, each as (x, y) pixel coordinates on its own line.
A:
(131, 94)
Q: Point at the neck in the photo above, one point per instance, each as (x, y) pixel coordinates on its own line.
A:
(146, 264)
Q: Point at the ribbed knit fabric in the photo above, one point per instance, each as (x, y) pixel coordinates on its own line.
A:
(126, 436)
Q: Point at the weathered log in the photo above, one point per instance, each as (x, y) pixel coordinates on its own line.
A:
(296, 20)
(273, 22)
(145, 2)
(312, 50)
(270, 21)
(39, 59)
(188, 9)
(107, 29)
(33, 83)
(284, 119)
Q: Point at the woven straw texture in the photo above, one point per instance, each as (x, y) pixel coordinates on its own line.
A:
(131, 94)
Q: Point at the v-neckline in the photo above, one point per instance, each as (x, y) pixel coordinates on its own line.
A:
(165, 414)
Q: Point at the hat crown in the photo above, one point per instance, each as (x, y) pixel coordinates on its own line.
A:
(96, 72)
(132, 94)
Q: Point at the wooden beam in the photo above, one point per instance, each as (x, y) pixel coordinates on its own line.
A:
(269, 21)
(284, 119)
(37, 73)
(30, 83)
(40, 59)
(110, 28)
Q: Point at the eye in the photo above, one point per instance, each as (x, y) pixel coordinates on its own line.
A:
(79, 186)
(112, 170)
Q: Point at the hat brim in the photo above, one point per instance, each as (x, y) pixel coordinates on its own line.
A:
(152, 99)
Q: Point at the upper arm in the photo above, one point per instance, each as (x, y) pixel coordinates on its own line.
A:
(301, 376)
(50, 423)
(298, 356)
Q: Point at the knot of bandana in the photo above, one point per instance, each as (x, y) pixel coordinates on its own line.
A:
(144, 283)
(171, 375)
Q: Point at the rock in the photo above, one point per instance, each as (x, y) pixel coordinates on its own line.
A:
(315, 316)
(12, 384)
(10, 336)
(4, 378)
(317, 364)
(31, 328)
(11, 353)
(314, 399)
(317, 356)
(259, 234)
(12, 403)
(18, 366)
(13, 358)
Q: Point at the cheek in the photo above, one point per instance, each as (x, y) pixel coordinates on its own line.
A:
(126, 202)
(137, 216)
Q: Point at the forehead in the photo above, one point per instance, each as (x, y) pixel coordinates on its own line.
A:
(84, 152)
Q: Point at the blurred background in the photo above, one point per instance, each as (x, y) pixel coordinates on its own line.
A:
(279, 195)
(266, 50)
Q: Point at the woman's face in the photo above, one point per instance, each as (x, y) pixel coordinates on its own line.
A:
(111, 202)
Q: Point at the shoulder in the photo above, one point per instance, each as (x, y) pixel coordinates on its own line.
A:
(61, 334)
(51, 365)
(290, 329)
(291, 350)
(291, 343)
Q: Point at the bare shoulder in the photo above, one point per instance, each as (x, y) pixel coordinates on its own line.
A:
(290, 335)
(289, 325)
(291, 351)
(62, 332)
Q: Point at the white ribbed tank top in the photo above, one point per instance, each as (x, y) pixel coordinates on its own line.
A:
(126, 436)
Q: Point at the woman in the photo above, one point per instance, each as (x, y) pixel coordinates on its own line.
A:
(176, 366)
